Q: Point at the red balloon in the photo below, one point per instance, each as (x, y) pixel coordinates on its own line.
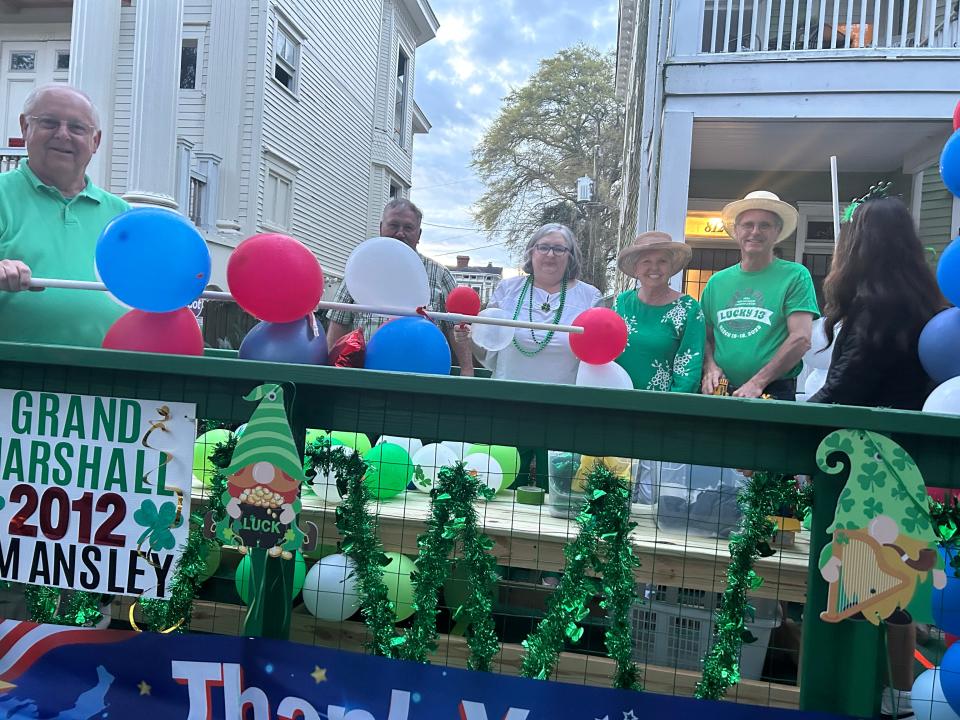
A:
(463, 300)
(275, 278)
(604, 336)
(175, 333)
(949, 639)
(956, 117)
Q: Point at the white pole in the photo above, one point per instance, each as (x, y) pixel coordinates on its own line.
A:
(835, 183)
(374, 310)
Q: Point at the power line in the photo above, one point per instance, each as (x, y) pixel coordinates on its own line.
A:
(481, 247)
(462, 227)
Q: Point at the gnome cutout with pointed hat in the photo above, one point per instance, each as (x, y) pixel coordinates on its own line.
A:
(262, 498)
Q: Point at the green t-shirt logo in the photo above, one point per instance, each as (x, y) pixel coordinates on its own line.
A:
(745, 315)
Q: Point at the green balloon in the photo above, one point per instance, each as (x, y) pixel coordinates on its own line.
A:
(354, 440)
(242, 579)
(396, 576)
(456, 590)
(211, 562)
(203, 469)
(507, 457)
(390, 470)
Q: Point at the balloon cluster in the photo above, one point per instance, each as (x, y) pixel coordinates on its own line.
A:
(397, 464)
(279, 281)
(939, 345)
(936, 692)
(603, 339)
(156, 263)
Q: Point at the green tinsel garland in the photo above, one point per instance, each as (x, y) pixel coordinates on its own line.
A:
(602, 545)
(453, 518)
(762, 496)
(80, 609)
(175, 614)
(945, 519)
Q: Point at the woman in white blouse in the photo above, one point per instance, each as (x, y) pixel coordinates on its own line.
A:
(549, 292)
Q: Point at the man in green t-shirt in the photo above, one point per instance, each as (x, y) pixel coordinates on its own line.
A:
(760, 312)
(51, 216)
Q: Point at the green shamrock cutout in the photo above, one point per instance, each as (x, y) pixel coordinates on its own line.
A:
(158, 524)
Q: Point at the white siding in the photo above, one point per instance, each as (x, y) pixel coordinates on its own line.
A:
(326, 129)
(191, 104)
(120, 157)
(251, 186)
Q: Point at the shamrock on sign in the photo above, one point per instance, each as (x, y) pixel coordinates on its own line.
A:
(158, 524)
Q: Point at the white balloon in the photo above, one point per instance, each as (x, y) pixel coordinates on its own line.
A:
(608, 375)
(818, 341)
(330, 588)
(431, 459)
(945, 398)
(411, 445)
(488, 470)
(927, 697)
(388, 273)
(815, 381)
(459, 448)
(492, 337)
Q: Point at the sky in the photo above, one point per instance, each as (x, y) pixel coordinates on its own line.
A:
(482, 51)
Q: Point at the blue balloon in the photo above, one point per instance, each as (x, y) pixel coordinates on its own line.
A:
(409, 344)
(292, 342)
(950, 164)
(946, 602)
(153, 260)
(950, 676)
(939, 346)
(948, 272)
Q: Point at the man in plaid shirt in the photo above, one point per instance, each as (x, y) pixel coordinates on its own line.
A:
(401, 220)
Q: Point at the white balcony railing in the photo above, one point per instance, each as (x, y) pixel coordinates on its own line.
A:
(740, 26)
(10, 157)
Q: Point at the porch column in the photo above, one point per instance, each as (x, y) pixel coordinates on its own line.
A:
(153, 113)
(224, 107)
(676, 148)
(94, 30)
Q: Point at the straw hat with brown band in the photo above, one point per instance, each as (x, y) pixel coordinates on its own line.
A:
(762, 200)
(654, 240)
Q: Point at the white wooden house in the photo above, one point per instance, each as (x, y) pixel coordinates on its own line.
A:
(728, 96)
(294, 116)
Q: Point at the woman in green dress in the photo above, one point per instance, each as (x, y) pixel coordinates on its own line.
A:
(666, 329)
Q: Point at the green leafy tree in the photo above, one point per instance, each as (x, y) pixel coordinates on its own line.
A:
(564, 123)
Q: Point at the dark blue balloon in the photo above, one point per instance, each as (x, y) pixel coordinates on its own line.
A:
(950, 676)
(950, 164)
(948, 272)
(153, 260)
(409, 344)
(292, 342)
(946, 602)
(939, 346)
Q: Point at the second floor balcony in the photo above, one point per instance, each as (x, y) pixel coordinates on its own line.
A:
(812, 29)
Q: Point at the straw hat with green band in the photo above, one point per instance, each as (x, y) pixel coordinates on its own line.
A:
(267, 437)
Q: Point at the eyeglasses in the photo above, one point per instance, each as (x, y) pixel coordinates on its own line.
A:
(52, 124)
(558, 250)
(763, 227)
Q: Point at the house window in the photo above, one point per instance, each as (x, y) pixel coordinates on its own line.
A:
(395, 191)
(400, 103)
(188, 65)
(287, 57)
(63, 59)
(23, 61)
(195, 201)
(277, 199)
(705, 262)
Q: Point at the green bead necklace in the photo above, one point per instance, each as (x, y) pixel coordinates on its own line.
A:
(541, 344)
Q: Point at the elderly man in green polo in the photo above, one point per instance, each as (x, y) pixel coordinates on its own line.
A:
(759, 312)
(51, 215)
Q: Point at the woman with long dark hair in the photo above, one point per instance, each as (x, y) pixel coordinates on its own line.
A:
(882, 291)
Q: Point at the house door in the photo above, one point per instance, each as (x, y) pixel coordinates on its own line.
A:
(705, 262)
(23, 66)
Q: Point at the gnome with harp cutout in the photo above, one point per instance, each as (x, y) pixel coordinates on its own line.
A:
(883, 562)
